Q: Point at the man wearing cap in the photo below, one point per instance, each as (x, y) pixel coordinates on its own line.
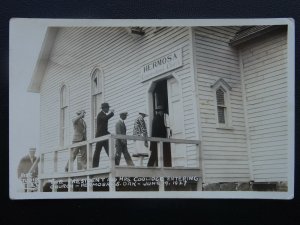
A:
(79, 126)
(121, 144)
(24, 173)
(102, 123)
(160, 128)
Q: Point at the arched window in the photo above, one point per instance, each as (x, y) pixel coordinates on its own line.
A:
(221, 105)
(222, 101)
(63, 115)
(97, 96)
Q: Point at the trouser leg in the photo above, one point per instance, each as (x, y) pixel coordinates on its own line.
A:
(118, 155)
(105, 145)
(97, 152)
(127, 156)
(153, 157)
(83, 156)
(74, 152)
(167, 155)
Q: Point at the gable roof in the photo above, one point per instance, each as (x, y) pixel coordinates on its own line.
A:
(42, 60)
(249, 32)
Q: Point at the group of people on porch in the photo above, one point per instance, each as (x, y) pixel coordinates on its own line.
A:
(160, 128)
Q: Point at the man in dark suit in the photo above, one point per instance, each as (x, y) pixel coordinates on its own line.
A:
(102, 122)
(160, 128)
(24, 173)
(79, 126)
(121, 144)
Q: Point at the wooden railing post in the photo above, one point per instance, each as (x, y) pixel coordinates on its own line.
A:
(70, 160)
(42, 162)
(89, 183)
(89, 147)
(54, 188)
(160, 154)
(112, 176)
(70, 184)
(41, 184)
(55, 160)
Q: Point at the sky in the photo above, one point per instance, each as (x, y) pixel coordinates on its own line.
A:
(25, 40)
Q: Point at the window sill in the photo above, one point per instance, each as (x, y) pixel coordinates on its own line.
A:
(224, 127)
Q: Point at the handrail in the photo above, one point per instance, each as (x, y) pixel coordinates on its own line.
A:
(155, 139)
(128, 137)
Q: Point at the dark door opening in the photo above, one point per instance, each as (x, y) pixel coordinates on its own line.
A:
(160, 96)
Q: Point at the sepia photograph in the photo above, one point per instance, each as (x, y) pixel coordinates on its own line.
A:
(194, 108)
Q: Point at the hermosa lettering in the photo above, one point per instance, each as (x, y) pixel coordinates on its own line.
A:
(160, 62)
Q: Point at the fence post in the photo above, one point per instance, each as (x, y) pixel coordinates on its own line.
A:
(42, 162)
(160, 154)
(54, 188)
(41, 184)
(70, 160)
(70, 184)
(112, 173)
(55, 153)
(88, 155)
(89, 183)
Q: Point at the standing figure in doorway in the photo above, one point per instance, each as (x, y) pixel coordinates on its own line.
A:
(121, 144)
(160, 128)
(102, 123)
(140, 129)
(79, 126)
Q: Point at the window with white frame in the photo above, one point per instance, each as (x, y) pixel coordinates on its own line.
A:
(63, 115)
(221, 105)
(221, 91)
(97, 95)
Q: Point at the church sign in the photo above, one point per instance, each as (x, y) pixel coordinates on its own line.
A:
(161, 65)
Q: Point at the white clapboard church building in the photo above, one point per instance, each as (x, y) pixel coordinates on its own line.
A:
(225, 89)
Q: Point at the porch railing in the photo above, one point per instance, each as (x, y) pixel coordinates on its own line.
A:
(113, 171)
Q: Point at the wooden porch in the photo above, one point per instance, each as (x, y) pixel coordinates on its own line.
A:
(114, 175)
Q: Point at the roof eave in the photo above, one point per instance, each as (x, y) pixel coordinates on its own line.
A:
(42, 61)
(253, 35)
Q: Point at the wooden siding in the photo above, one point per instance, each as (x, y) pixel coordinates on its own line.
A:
(120, 56)
(264, 62)
(225, 156)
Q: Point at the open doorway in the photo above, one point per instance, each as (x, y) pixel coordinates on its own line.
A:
(167, 93)
(160, 96)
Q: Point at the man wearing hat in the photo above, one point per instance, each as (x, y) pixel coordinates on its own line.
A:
(24, 173)
(79, 126)
(160, 128)
(102, 122)
(121, 144)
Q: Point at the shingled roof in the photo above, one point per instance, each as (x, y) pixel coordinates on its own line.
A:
(249, 32)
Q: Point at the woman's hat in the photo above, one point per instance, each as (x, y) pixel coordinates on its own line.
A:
(143, 111)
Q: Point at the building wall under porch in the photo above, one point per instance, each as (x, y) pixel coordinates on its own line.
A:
(78, 51)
